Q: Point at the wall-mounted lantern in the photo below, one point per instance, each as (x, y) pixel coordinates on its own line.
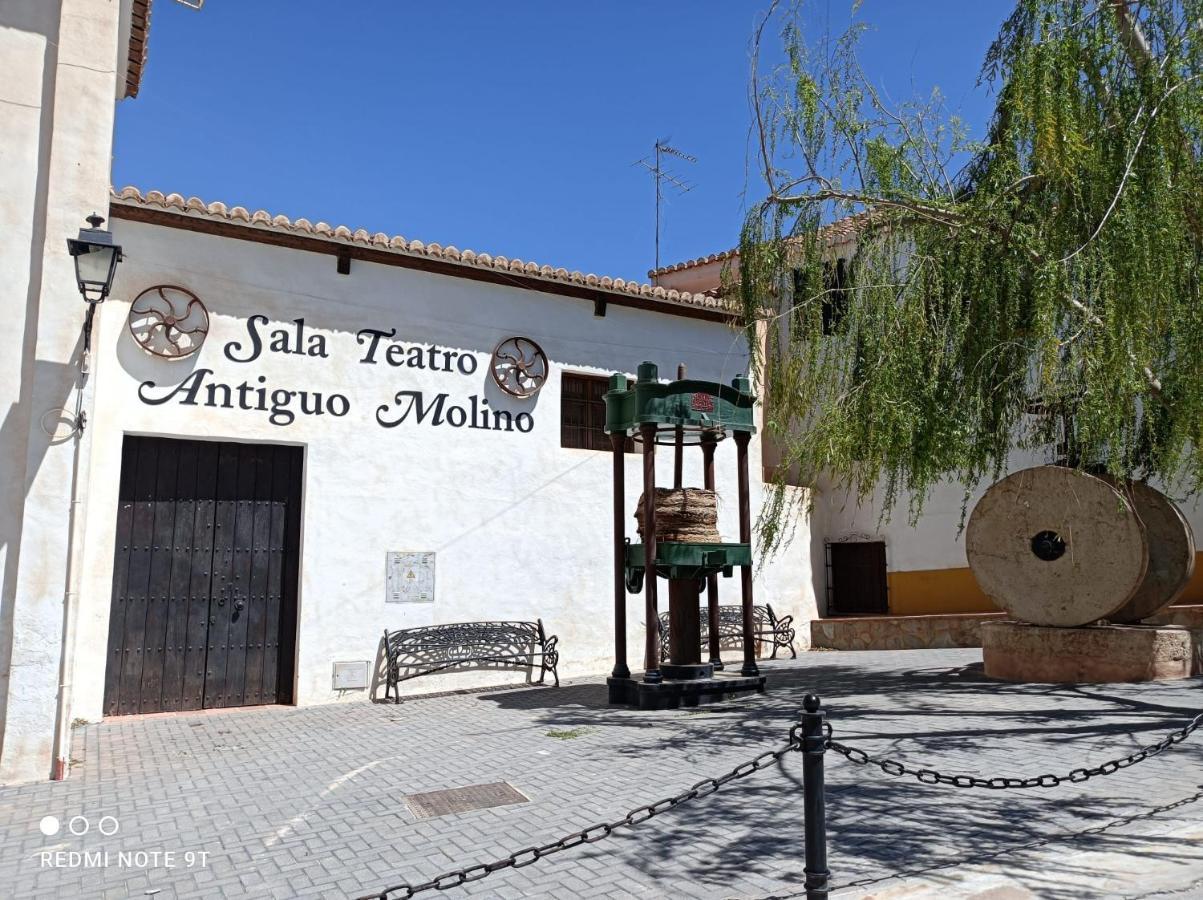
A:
(96, 258)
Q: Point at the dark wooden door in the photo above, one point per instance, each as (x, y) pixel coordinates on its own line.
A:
(856, 580)
(204, 576)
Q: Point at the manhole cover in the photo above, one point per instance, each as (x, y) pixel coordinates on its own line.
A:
(464, 799)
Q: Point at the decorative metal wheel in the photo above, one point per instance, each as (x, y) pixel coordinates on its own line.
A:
(168, 321)
(519, 367)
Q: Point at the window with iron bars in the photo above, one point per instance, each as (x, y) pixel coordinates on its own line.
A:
(583, 413)
(836, 278)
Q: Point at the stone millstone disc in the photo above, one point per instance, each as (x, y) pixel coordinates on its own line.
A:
(1171, 553)
(1054, 546)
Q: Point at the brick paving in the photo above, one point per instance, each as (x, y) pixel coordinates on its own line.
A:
(298, 803)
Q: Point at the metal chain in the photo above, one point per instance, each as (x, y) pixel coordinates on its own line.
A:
(593, 833)
(930, 776)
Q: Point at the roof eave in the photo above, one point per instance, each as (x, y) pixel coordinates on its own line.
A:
(361, 246)
(138, 46)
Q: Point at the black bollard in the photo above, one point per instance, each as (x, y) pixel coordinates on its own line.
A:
(814, 811)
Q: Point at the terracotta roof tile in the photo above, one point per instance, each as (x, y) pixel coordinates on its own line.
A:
(837, 232)
(261, 219)
(139, 46)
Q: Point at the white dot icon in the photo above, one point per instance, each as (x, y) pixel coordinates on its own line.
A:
(48, 826)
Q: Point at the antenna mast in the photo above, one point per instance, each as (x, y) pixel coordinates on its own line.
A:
(660, 176)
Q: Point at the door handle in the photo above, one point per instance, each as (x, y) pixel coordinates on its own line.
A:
(239, 604)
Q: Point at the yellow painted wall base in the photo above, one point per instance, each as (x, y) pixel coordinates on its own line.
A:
(934, 591)
(1194, 587)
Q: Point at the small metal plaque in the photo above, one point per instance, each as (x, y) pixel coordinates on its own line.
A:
(464, 799)
(409, 577)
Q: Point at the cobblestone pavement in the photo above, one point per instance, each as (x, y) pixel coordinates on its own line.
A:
(309, 802)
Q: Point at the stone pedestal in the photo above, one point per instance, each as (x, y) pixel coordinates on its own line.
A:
(1094, 654)
(673, 693)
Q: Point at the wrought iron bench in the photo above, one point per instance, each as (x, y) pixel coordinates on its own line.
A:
(766, 629)
(412, 652)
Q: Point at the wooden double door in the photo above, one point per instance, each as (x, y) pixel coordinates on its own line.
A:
(205, 576)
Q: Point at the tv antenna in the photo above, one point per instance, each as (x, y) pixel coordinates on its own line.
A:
(661, 177)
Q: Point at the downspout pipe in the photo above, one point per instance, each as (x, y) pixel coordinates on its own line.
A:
(76, 521)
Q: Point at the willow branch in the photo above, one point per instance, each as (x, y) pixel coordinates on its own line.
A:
(1136, 45)
(765, 157)
(943, 216)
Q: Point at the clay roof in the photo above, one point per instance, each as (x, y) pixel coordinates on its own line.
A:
(837, 232)
(139, 45)
(131, 203)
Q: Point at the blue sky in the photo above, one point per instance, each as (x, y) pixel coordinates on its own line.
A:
(507, 128)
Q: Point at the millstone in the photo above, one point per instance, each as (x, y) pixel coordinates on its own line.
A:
(1171, 553)
(1055, 546)
(683, 514)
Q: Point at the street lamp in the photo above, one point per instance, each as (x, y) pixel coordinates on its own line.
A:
(96, 258)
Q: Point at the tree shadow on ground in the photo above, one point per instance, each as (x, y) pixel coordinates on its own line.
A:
(950, 718)
(881, 831)
(854, 696)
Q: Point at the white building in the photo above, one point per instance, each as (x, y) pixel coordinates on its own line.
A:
(214, 529)
(881, 571)
(219, 529)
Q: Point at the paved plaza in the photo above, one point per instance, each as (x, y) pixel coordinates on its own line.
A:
(282, 802)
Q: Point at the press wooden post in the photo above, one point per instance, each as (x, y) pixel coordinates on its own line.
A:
(745, 537)
(709, 443)
(651, 648)
(685, 644)
(679, 443)
(618, 443)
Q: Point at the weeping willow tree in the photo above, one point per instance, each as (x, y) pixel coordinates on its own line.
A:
(1038, 288)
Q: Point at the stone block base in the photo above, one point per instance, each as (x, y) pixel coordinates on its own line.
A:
(1095, 654)
(900, 632)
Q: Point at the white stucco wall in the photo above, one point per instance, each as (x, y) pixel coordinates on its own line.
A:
(56, 122)
(521, 527)
(936, 540)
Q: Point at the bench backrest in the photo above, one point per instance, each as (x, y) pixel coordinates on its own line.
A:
(731, 619)
(462, 639)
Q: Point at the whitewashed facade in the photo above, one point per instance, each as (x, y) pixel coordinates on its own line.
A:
(66, 63)
(519, 525)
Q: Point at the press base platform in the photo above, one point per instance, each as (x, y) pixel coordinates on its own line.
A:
(689, 671)
(673, 693)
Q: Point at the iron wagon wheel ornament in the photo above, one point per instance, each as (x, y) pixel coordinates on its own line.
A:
(168, 321)
(1054, 546)
(519, 366)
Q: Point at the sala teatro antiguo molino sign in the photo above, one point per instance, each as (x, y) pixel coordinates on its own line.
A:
(283, 405)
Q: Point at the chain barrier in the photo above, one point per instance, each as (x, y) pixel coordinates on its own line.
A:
(812, 737)
(593, 833)
(930, 776)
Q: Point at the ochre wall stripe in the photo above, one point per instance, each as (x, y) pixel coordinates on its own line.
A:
(933, 591)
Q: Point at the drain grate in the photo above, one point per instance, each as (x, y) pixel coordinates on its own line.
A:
(464, 799)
